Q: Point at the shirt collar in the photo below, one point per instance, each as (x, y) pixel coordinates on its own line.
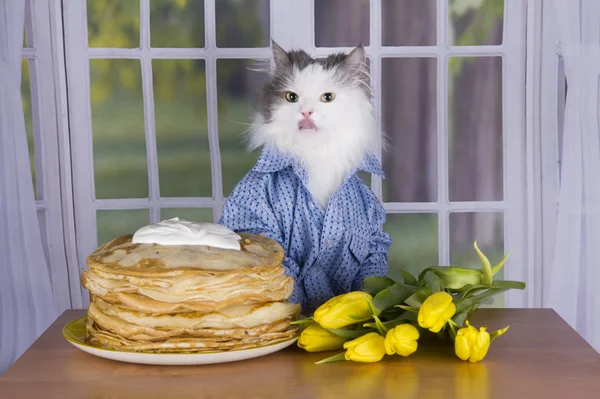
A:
(271, 160)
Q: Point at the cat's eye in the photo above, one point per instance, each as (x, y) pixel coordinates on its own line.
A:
(327, 97)
(291, 97)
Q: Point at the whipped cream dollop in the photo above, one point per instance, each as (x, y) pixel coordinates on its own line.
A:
(183, 232)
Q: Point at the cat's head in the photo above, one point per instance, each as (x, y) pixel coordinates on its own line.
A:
(311, 104)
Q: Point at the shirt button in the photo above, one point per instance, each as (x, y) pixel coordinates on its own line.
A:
(311, 206)
(329, 243)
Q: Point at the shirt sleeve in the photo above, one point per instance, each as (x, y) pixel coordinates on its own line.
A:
(247, 210)
(376, 262)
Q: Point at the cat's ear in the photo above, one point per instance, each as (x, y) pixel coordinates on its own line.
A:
(279, 55)
(356, 58)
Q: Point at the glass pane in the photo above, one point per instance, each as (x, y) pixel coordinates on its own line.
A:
(28, 29)
(113, 23)
(181, 128)
(408, 22)
(243, 23)
(114, 223)
(238, 90)
(191, 214)
(409, 116)
(366, 177)
(342, 23)
(414, 242)
(27, 110)
(475, 23)
(120, 166)
(475, 129)
(176, 23)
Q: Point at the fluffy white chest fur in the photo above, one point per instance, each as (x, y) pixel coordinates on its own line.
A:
(319, 113)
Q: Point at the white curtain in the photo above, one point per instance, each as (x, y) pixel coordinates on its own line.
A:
(27, 305)
(572, 280)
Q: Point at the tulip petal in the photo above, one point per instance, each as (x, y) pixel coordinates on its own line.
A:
(461, 347)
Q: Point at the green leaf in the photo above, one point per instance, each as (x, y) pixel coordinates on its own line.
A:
(307, 320)
(498, 333)
(417, 299)
(408, 308)
(406, 317)
(374, 284)
(392, 296)
(472, 288)
(460, 318)
(334, 358)
(380, 327)
(477, 300)
(408, 278)
(498, 267)
(350, 333)
(433, 281)
(486, 268)
(509, 285)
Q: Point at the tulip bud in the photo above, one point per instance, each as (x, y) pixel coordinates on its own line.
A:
(402, 340)
(472, 344)
(315, 338)
(344, 310)
(367, 348)
(436, 310)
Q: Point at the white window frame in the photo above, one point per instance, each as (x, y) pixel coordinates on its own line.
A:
(76, 138)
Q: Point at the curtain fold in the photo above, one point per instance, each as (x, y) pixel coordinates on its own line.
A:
(27, 303)
(572, 279)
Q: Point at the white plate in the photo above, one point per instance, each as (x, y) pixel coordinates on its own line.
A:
(74, 332)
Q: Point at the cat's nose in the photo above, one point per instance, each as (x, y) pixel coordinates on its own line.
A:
(307, 114)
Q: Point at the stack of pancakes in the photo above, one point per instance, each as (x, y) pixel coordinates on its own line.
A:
(188, 298)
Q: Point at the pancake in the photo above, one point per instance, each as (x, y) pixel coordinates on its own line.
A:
(113, 341)
(233, 322)
(192, 298)
(121, 255)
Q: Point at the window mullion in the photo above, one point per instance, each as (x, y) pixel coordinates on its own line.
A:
(148, 103)
(212, 108)
(374, 52)
(442, 134)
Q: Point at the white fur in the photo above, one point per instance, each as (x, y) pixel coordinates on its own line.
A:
(345, 129)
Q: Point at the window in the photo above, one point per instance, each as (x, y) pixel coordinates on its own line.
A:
(160, 91)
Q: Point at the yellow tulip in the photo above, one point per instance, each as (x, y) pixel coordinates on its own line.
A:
(344, 310)
(471, 344)
(402, 340)
(367, 348)
(315, 338)
(435, 312)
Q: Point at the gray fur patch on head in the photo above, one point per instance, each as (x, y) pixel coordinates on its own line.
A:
(349, 69)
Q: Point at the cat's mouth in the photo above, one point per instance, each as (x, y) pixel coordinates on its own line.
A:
(306, 124)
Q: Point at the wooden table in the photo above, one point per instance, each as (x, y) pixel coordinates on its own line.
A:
(539, 357)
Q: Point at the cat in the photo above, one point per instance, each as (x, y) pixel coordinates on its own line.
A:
(316, 129)
(337, 133)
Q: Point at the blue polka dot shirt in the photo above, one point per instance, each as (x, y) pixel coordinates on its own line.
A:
(327, 252)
